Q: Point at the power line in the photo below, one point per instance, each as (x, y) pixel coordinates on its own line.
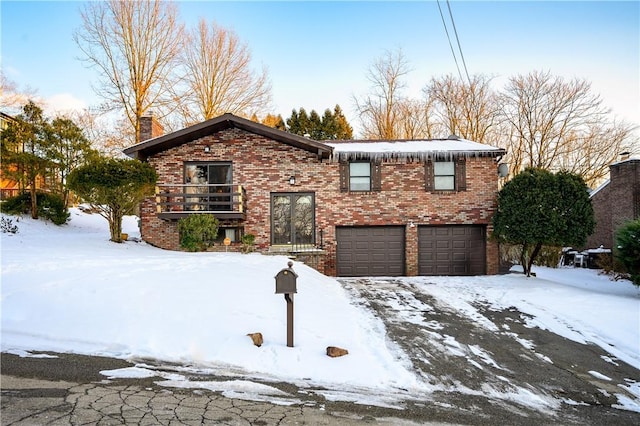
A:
(449, 38)
(458, 40)
(446, 30)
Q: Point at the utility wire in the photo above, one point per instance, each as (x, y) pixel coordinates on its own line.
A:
(458, 40)
(449, 38)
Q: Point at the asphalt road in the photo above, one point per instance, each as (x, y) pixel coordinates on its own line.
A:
(475, 374)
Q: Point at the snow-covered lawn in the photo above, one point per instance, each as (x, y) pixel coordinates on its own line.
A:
(69, 289)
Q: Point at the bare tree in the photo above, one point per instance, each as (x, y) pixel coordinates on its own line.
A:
(417, 120)
(469, 110)
(219, 76)
(380, 111)
(552, 119)
(108, 134)
(590, 152)
(12, 99)
(134, 45)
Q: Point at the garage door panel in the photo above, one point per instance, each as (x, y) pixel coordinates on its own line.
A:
(459, 231)
(374, 251)
(459, 244)
(440, 244)
(459, 257)
(451, 250)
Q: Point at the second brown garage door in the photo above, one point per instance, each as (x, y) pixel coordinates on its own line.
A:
(370, 251)
(451, 250)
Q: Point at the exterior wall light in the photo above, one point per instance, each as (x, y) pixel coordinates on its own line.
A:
(292, 180)
(207, 148)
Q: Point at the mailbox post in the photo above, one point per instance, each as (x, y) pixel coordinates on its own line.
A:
(286, 284)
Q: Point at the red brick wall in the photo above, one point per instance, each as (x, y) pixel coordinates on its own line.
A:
(602, 234)
(264, 166)
(613, 206)
(149, 128)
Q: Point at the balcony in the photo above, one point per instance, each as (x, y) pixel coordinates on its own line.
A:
(221, 200)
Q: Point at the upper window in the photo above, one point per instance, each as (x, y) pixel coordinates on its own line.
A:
(450, 175)
(444, 177)
(360, 176)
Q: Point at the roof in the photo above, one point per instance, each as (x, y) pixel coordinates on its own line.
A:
(342, 150)
(161, 143)
(600, 188)
(6, 117)
(412, 149)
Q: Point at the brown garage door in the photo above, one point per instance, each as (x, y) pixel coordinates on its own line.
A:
(451, 250)
(371, 251)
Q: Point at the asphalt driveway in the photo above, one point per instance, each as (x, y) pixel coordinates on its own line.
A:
(518, 375)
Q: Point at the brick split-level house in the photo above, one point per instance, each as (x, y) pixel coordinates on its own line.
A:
(615, 202)
(360, 208)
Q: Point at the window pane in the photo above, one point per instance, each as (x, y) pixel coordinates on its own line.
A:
(360, 176)
(444, 168)
(360, 184)
(359, 169)
(281, 219)
(444, 183)
(303, 220)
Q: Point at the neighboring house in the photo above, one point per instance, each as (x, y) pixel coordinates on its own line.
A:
(615, 202)
(359, 208)
(8, 187)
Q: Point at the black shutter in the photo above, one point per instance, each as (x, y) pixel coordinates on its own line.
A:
(428, 175)
(376, 176)
(461, 174)
(344, 176)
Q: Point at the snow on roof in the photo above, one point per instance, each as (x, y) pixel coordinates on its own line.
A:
(598, 189)
(412, 150)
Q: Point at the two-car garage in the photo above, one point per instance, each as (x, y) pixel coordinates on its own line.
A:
(380, 250)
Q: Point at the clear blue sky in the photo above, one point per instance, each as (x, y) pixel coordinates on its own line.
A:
(318, 53)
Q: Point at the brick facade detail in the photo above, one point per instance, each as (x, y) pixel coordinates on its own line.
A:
(263, 166)
(616, 203)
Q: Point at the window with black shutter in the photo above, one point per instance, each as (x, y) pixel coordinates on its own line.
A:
(360, 176)
(445, 175)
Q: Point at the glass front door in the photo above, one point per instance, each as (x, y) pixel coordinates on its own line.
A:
(292, 219)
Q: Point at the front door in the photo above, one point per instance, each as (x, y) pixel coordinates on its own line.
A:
(292, 219)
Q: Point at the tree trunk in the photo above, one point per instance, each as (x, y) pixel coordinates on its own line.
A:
(34, 200)
(523, 259)
(115, 226)
(534, 254)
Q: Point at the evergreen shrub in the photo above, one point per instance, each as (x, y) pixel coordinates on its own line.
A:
(198, 231)
(50, 206)
(628, 249)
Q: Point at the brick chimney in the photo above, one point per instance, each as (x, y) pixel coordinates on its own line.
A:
(150, 127)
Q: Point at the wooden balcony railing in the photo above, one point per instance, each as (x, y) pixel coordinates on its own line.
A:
(221, 200)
